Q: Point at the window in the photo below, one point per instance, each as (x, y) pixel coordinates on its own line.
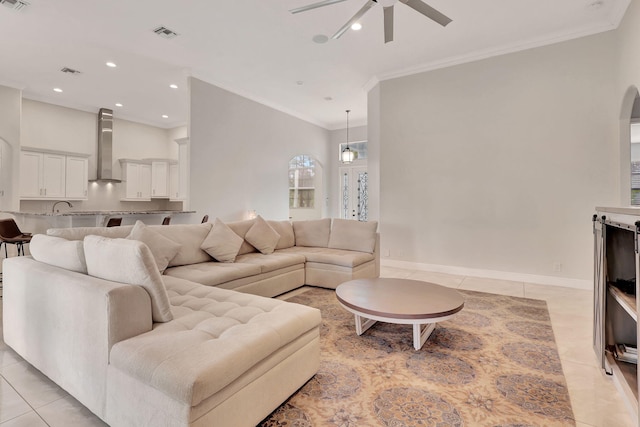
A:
(359, 150)
(302, 173)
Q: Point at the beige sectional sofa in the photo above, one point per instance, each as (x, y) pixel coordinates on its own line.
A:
(145, 328)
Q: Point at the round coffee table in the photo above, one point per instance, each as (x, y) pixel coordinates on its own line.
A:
(403, 301)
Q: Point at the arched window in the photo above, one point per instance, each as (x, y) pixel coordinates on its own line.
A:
(302, 174)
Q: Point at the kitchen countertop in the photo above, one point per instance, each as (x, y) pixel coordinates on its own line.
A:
(81, 213)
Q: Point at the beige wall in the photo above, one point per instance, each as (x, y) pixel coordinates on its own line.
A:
(240, 153)
(10, 110)
(628, 49)
(498, 164)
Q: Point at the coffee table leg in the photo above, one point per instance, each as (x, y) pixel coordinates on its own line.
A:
(362, 324)
(421, 335)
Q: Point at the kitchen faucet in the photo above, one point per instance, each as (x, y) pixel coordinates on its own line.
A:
(53, 208)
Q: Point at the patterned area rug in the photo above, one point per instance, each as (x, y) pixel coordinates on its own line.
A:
(493, 364)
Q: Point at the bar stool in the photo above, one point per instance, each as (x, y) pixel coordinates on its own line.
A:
(114, 222)
(10, 234)
(166, 220)
(205, 219)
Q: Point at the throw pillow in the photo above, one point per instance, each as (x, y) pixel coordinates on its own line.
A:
(190, 236)
(59, 252)
(162, 248)
(241, 228)
(314, 233)
(285, 230)
(262, 236)
(353, 235)
(131, 262)
(222, 243)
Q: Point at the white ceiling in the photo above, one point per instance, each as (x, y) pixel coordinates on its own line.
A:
(258, 49)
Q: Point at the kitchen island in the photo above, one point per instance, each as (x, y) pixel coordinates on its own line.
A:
(39, 222)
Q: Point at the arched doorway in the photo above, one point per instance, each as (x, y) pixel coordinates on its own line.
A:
(630, 148)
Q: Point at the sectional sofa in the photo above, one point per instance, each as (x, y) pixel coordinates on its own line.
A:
(170, 325)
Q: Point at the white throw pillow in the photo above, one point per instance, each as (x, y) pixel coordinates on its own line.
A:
(162, 248)
(353, 235)
(63, 253)
(190, 236)
(262, 236)
(222, 243)
(313, 233)
(131, 262)
(285, 230)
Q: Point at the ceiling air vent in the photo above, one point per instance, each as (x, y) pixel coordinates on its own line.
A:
(14, 4)
(70, 70)
(163, 32)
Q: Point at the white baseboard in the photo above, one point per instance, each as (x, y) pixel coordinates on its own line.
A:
(491, 274)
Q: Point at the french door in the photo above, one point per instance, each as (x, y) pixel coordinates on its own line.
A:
(354, 193)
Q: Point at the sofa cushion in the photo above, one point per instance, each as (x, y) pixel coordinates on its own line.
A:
(332, 256)
(262, 236)
(221, 242)
(285, 230)
(190, 236)
(313, 233)
(162, 249)
(59, 252)
(131, 262)
(353, 235)
(213, 273)
(271, 262)
(241, 228)
(217, 336)
(79, 233)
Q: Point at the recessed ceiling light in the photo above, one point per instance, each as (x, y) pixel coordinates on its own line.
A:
(356, 26)
(111, 64)
(164, 116)
(118, 104)
(299, 82)
(328, 98)
(172, 86)
(57, 89)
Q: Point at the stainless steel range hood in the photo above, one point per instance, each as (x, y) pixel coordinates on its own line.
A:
(105, 146)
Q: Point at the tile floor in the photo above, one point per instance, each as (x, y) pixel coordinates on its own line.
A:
(29, 399)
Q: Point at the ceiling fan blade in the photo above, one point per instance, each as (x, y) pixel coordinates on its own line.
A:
(388, 24)
(315, 5)
(354, 19)
(428, 11)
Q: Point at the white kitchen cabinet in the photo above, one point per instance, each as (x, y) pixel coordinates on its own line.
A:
(174, 182)
(5, 174)
(136, 175)
(77, 171)
(42, 175)
(48, 174)
(159, 179)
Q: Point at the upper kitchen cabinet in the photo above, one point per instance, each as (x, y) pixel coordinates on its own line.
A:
(5, 173)
(136, 175)
(160, 177)
(44, 175)
(77, 179)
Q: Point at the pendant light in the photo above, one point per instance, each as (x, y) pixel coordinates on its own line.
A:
(347, 155)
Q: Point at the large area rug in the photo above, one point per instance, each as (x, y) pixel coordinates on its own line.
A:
(494, 364)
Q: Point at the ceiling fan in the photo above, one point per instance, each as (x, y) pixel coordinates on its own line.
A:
(417, 5)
